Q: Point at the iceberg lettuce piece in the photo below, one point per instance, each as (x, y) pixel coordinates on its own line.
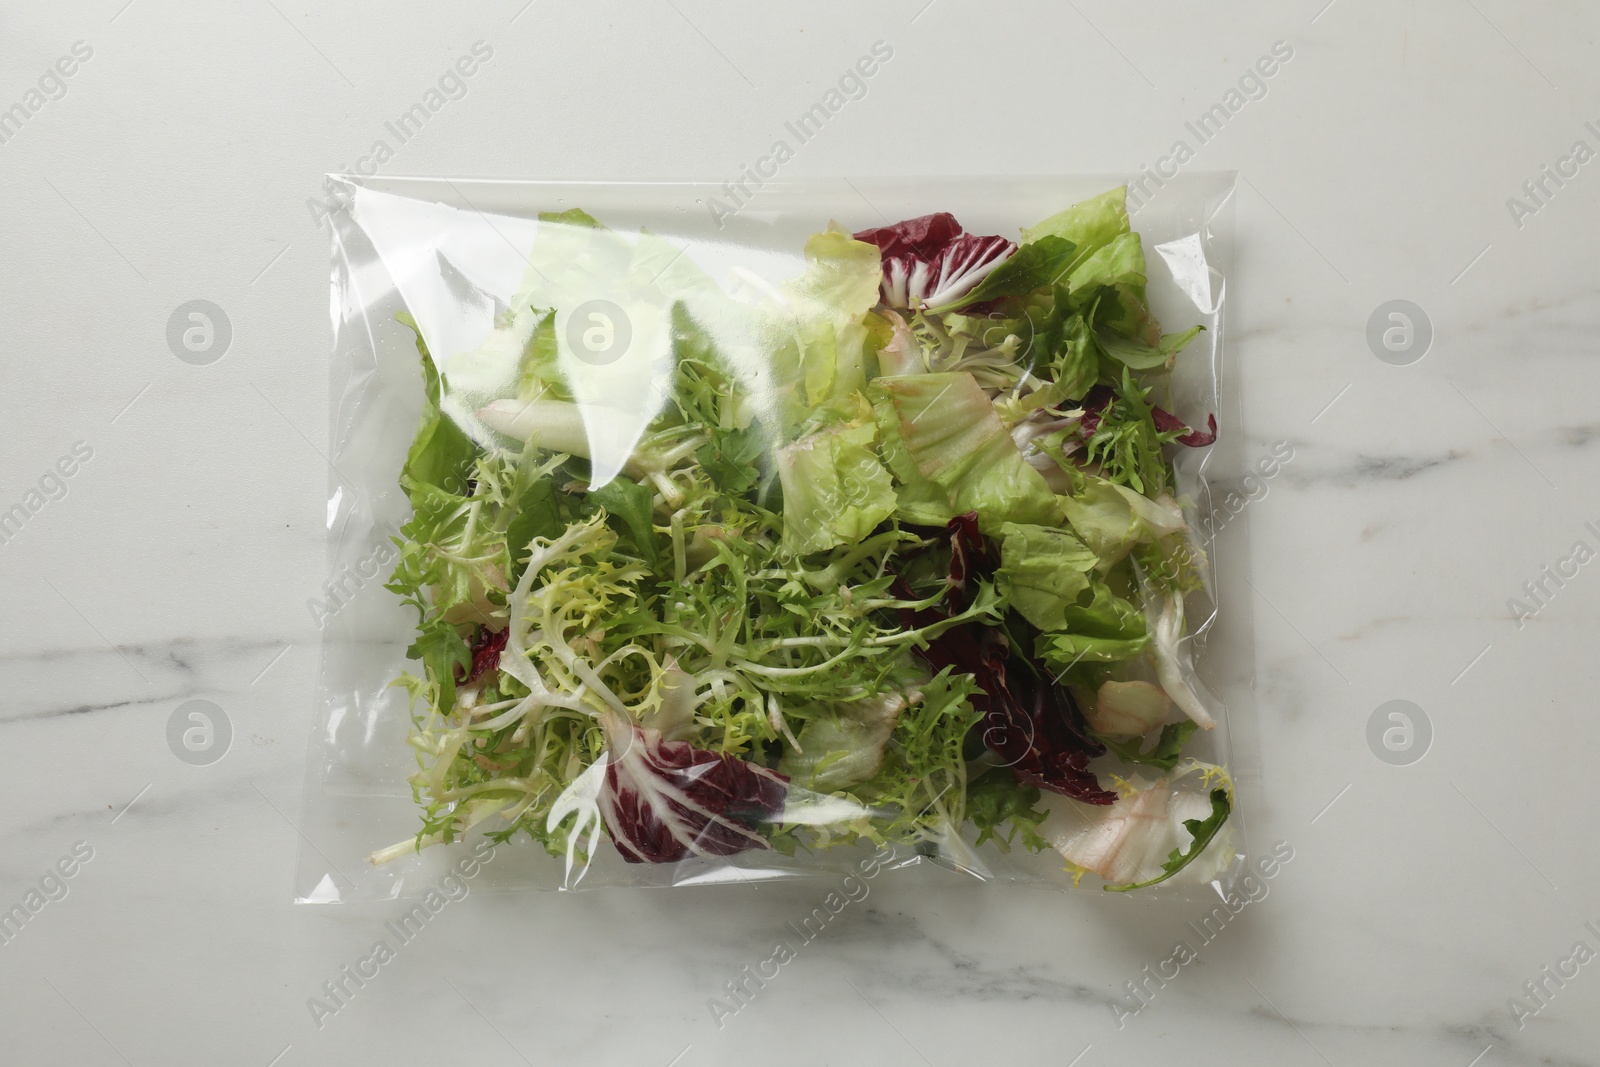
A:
(1111, 519)
(841, 276)
(1089, 224)
(1042, 572)
(814, 327)
(951, 433)
(919, 501)
(835, 491)
(1106, 630)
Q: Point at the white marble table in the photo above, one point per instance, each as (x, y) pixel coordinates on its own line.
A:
(1378, 162)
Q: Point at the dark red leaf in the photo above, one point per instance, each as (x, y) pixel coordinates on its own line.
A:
(930, 261)
(1029, 721)
(1093, 404)
(664, 801)
(925, 236)
(485, 654)
(969, 555)
(1166, 422)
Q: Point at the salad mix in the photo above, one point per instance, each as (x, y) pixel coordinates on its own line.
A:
(890, 551)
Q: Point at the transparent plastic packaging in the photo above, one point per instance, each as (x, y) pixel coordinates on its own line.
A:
(676, 492)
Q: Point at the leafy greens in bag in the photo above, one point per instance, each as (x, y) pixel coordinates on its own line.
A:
(723, 569)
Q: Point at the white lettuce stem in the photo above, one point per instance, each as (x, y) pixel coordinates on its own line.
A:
(1168, 627)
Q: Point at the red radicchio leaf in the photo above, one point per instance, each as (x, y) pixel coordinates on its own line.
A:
(666, 800)
(1166, 421)
(1037, 728)
(969, 553)
(485, 654)
(925, 236)
(930, 261)
(1093, 405)
(1028, 720)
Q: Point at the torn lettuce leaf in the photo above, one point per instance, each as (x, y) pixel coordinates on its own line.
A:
(1134, 353)
(919, 501)
(835, 490)
(1042, 572)
(1108, 629)
(1060, 353)
(1089, 224)
(1118, 269)
(840, 282)
(1112, 519)
(950, 431)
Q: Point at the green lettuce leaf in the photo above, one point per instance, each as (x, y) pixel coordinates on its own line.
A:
(1089, 224)
(536, 513)
(1106, 630)
(441, 454)
(842, 274)
(1121, 262)
(998, 799)
(919, 501)
(632, 504)
(1134, 353)
(1119, 268)
(831, 359)
(1061, 352)
(952, 434)
(1102, 517)
(818, 336)
(441, 649)
(1042, 572)
(538, 372)
(1075, 366)
(834, 489)
(437, 518)
(1112, 519)
(573, 216)
(732, 459)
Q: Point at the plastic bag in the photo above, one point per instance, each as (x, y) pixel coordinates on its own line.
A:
(744, 548)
